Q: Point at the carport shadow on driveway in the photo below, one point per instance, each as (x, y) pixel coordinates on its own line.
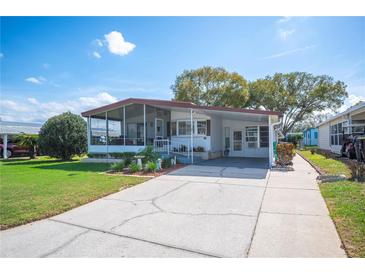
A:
(241, 168)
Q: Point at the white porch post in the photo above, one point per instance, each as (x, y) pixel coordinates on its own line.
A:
(144, 125)
(124, 133)
(5, 146)
(191, 135)
(107, 134)
(271, 147)
(88, 132)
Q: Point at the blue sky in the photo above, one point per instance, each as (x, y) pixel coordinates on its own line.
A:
(53, 64)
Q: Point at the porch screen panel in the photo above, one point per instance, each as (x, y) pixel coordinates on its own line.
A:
(115, 127)
(98, 129)
(156, 120)
(134, 119)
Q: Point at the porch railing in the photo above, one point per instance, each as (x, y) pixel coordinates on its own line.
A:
(168, 146)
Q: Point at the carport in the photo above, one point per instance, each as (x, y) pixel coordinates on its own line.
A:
(8, 129)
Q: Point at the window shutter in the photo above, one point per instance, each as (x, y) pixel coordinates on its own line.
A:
(208, 127)
(168, 130)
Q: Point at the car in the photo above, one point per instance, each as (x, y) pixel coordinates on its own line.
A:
(13, 149)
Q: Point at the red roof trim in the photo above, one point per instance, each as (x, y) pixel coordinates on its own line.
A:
(178, 104)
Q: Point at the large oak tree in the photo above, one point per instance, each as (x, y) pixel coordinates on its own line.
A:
(211, 86)
(297, 95)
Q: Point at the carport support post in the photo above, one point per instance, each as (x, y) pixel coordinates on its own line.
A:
(271, 147)
(191, 136)
(5, 146)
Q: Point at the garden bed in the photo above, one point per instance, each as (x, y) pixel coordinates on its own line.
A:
(146, 174)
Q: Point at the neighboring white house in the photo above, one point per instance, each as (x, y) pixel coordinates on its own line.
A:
(131, 124)
(333, 131)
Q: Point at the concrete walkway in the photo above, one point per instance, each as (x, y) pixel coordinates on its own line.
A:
(294, 220)
(197, 211)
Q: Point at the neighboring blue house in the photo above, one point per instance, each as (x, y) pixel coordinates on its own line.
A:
(310, 137)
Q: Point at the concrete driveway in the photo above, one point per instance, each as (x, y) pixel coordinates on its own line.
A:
(206, 210)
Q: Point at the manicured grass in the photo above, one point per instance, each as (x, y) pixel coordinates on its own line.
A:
(35, 189)
(329, 166)
(346, 203)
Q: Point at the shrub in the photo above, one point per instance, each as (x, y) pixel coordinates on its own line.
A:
(199, 149)
(357, 170)
(118, 166)
(149, 154)
(166, 163)
(313, 151)
(63, 136)
(151, 166)
(286, 153)
(134, 167)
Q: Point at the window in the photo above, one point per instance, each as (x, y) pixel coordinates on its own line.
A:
(201, 127)
(264, 136)
(337, 132)
(251, 137)
(184, 127)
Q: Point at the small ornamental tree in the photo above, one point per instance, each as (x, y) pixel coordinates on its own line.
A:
(63, 136)
(29, 141)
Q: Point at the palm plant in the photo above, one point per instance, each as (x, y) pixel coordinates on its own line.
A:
(29, 141)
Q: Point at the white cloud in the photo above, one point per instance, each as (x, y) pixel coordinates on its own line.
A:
(96, 55)
(288, 52)
(284, 34)
(40, 111)
(102, 98)
(33, 101)
(284, 19)
(36, 80)
(117, 45)
(98, 42)
(13, 106)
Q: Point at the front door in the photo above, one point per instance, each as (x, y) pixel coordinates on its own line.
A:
(158, 128)
(237, 143)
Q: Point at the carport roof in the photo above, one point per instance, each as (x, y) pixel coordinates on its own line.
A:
(175, 104)
(18, 128)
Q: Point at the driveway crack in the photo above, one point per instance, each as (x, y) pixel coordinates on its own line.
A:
(64, 244)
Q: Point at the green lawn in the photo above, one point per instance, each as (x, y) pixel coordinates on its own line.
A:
(34, 189)
(329, 166)
(346, 203)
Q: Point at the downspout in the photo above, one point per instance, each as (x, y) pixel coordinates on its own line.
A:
(272, 137)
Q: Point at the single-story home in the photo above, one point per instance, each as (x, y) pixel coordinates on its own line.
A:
(182, 128)
(9, 130)
(310, 137)
(333, 131)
